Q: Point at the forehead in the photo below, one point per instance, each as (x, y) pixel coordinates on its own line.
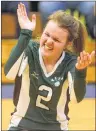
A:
(53, 29)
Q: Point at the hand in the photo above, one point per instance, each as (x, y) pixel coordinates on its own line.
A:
(23, 19)
(84, 60)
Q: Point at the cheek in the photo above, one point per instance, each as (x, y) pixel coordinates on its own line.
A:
(60, 47)
(42, 41)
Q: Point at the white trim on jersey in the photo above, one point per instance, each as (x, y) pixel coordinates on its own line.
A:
(61, 117)
(24, 99)
(55, 67)
(14, 69)
(23, 65)
(71, 88)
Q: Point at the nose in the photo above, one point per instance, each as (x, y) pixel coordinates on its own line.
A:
(50, 41)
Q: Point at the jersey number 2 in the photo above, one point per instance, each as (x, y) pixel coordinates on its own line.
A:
(47, 98)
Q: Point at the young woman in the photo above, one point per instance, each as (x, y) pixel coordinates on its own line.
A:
(46, 75)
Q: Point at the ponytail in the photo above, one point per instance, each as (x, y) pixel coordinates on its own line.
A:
(79, 42)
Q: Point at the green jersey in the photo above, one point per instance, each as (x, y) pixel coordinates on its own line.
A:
(42, 98)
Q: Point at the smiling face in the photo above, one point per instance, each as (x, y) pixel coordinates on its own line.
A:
(53, 40)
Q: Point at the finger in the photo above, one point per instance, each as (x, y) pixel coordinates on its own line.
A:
(24, 10)
(34, 20)
(89, 59)
(78, 59)
(92, 54)
(84, 55)
(18, 5)
(81, 55)
(79, 63)
(86, 59)
(21, 5)
(83, 58)
(18, 12)
(19, 9)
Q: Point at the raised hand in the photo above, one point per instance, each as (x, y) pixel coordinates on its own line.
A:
(23, 19)
(84, 60)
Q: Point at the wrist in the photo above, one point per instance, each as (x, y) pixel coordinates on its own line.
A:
(26, 32)
(79, 67)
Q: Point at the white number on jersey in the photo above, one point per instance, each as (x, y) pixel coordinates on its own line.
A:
(48, 98)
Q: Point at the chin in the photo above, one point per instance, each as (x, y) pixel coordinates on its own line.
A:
(46, 54)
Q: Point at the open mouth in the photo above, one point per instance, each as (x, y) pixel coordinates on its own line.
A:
(48, 48)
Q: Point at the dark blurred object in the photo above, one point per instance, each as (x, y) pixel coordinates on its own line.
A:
(34, 6)
(11, 6)
(86, 8)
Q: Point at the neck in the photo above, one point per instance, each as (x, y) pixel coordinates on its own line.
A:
(49, 64)
(49, 61)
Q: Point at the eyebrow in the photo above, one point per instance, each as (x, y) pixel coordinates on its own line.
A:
(55, 38)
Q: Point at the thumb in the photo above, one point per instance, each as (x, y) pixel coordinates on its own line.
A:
(33, 18)
(92, 54)
(33, 21)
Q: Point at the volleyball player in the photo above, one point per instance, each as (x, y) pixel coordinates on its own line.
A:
(47, 75)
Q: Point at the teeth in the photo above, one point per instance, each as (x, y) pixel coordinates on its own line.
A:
(49, 48)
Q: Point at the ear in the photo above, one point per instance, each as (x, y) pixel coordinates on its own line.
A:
(70, 43)
(70, 46)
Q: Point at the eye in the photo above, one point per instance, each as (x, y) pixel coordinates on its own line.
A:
(46, 34)
(56, 40)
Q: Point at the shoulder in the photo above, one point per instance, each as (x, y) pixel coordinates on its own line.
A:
(32, 48)
(70, 60)
(33, 44)
(70, 56)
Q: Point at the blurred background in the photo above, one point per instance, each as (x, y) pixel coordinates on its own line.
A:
(84, 119)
